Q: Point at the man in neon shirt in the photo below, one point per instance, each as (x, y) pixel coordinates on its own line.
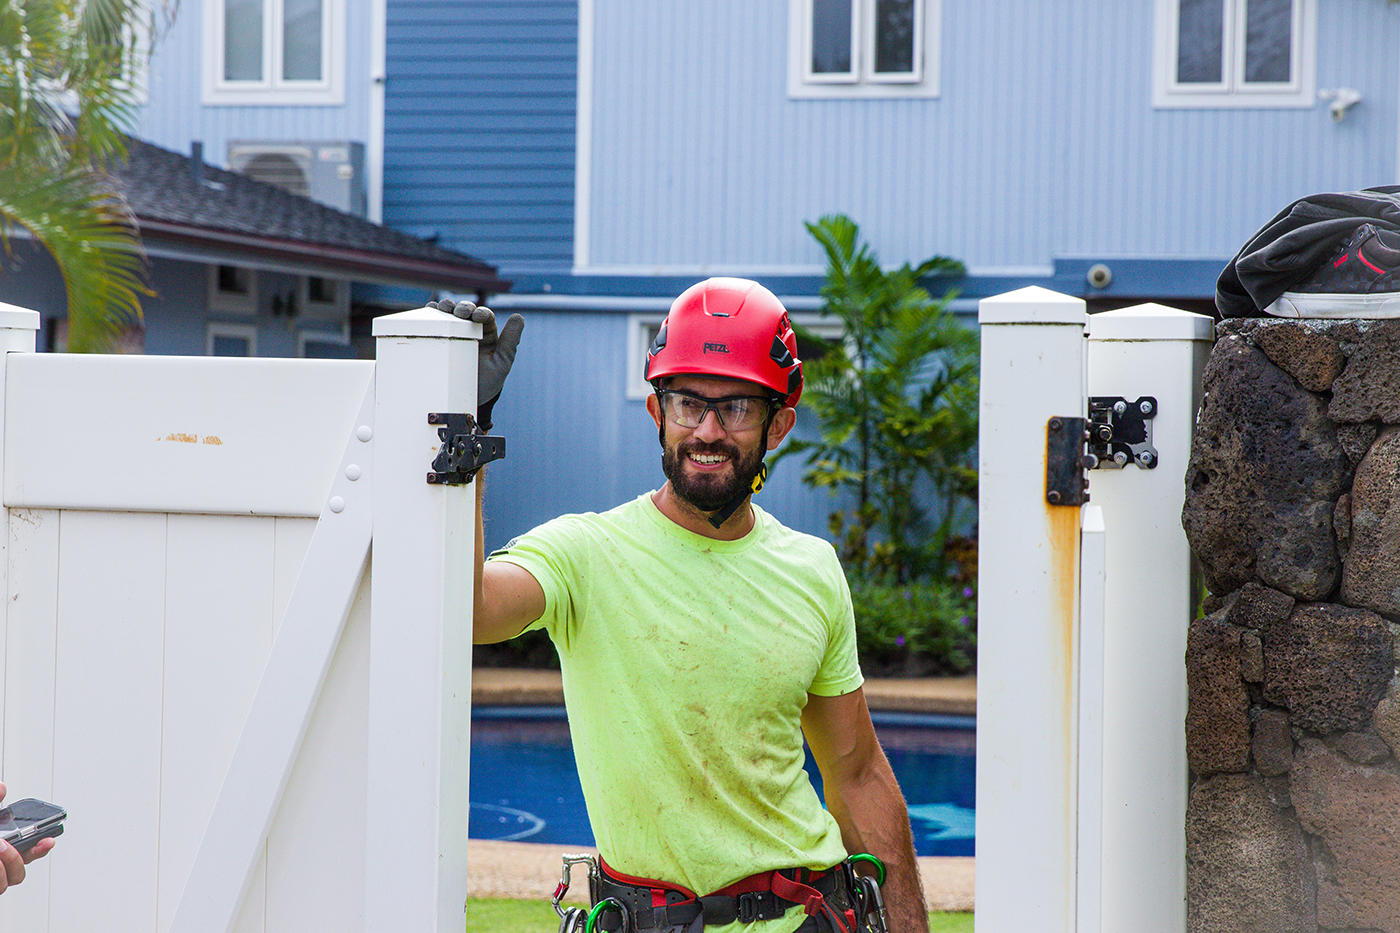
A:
(700, 640)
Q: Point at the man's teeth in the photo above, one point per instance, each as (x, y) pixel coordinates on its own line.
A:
(708, 458)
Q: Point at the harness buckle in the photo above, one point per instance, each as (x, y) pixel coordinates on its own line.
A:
(749, 906)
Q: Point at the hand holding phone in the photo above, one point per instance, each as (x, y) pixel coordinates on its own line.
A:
(24, 827)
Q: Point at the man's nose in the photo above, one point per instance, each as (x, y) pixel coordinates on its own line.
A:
(709, 427)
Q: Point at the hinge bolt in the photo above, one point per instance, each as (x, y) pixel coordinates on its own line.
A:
(1053, 497)
(1145, 408)
(1120, 407)
(1120, 458)
(1056, 424)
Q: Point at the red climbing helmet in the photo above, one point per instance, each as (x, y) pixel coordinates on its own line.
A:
(729, 327)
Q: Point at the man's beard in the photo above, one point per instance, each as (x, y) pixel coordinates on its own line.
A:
(708, 492)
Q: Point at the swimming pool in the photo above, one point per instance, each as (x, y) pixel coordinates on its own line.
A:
(524, 785)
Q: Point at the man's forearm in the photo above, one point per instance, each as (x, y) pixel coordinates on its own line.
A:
(874, 818)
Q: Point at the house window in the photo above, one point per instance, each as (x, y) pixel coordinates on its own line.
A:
(1235, 53)
(274, 51)
(231, 340)
(863, 48)
(321, 298)
(233, 289)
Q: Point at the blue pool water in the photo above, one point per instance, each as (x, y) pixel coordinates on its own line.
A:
(524, 785)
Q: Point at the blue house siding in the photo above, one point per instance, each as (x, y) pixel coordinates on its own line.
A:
(1043, 144)
(479, 123)
(175, 113)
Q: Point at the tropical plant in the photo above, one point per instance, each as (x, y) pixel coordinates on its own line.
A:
(896, 403)
(66, 96)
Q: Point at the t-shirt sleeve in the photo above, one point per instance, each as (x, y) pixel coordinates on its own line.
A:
(546, 554)
(840, 669)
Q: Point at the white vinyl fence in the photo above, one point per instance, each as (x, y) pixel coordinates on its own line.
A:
(1082, 618)
(253, 726)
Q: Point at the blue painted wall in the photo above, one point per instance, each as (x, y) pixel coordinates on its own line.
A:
(479, 127)
(1043, 144)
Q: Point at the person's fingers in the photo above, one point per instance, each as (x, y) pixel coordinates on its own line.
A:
(13, 866)
(487, 319)
(465, 310)
(509, 340)
(40, 849)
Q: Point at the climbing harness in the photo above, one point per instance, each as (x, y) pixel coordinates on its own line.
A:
(835, 901)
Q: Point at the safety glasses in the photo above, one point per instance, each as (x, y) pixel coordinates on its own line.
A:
(735, 412)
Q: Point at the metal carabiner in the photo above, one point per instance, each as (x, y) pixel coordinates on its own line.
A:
(573, 920)
(603, 905)
(563, 887)
(875, 917)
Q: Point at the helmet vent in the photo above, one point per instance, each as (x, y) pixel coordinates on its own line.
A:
(780, 353)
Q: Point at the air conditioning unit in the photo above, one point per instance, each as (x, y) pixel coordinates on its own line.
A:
(332, 173)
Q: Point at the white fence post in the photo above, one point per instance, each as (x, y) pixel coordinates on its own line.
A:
(1032, 369)
(420, 631)
(1133, 352)
(18, 327)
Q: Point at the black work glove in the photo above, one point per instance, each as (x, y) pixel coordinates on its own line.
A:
(497, 352)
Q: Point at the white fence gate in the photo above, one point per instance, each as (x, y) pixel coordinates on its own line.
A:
(253, 726)
(1082, 619)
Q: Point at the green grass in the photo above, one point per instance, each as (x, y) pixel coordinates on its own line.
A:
(505, 916)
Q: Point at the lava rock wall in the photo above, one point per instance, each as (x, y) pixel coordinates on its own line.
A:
(1293, 724)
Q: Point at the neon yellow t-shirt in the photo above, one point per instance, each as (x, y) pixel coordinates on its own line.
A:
(686, 664)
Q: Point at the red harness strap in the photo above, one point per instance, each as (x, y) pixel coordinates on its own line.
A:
(796, 890)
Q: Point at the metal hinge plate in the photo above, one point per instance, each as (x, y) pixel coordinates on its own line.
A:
(463, 451)
(1120, 432)
(1065, 461)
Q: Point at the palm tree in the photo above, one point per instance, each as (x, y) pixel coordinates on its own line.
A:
(65, 99)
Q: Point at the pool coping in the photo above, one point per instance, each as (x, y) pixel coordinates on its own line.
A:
(954, 696)
(531, 870)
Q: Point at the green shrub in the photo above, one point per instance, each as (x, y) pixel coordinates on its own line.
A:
(915, 629)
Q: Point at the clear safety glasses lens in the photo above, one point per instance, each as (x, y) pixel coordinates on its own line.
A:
(736, 413)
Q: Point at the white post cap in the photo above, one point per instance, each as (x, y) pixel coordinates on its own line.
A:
(425, 322)
(1032, 305)
(13, 317)
(1150, 322)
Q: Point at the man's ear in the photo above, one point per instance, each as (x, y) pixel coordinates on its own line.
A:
(783, 422)
(654, 409)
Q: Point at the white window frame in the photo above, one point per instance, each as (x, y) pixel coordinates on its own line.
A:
(272, 89)
(1233, 91)
(861, 81)
(642, 328)
(237, 331)
(337, 309)
(339, 338)
(233, 302)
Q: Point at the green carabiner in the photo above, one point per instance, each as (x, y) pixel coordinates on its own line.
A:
(598, 908)
(879, 865)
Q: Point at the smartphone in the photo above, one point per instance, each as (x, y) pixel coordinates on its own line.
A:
(26, 821)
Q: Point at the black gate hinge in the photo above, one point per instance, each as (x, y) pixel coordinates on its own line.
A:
(1116, 433)
(464, 451)
(1120, 432)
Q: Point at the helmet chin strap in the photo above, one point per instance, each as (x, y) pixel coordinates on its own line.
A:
(721, 515)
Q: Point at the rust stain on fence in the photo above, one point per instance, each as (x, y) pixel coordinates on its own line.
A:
(180, 437)
(1063, 526)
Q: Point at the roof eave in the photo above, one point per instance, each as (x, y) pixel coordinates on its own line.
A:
(319, 259)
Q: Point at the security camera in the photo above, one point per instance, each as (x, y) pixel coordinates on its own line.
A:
(1343, 99)
(1099, 275)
